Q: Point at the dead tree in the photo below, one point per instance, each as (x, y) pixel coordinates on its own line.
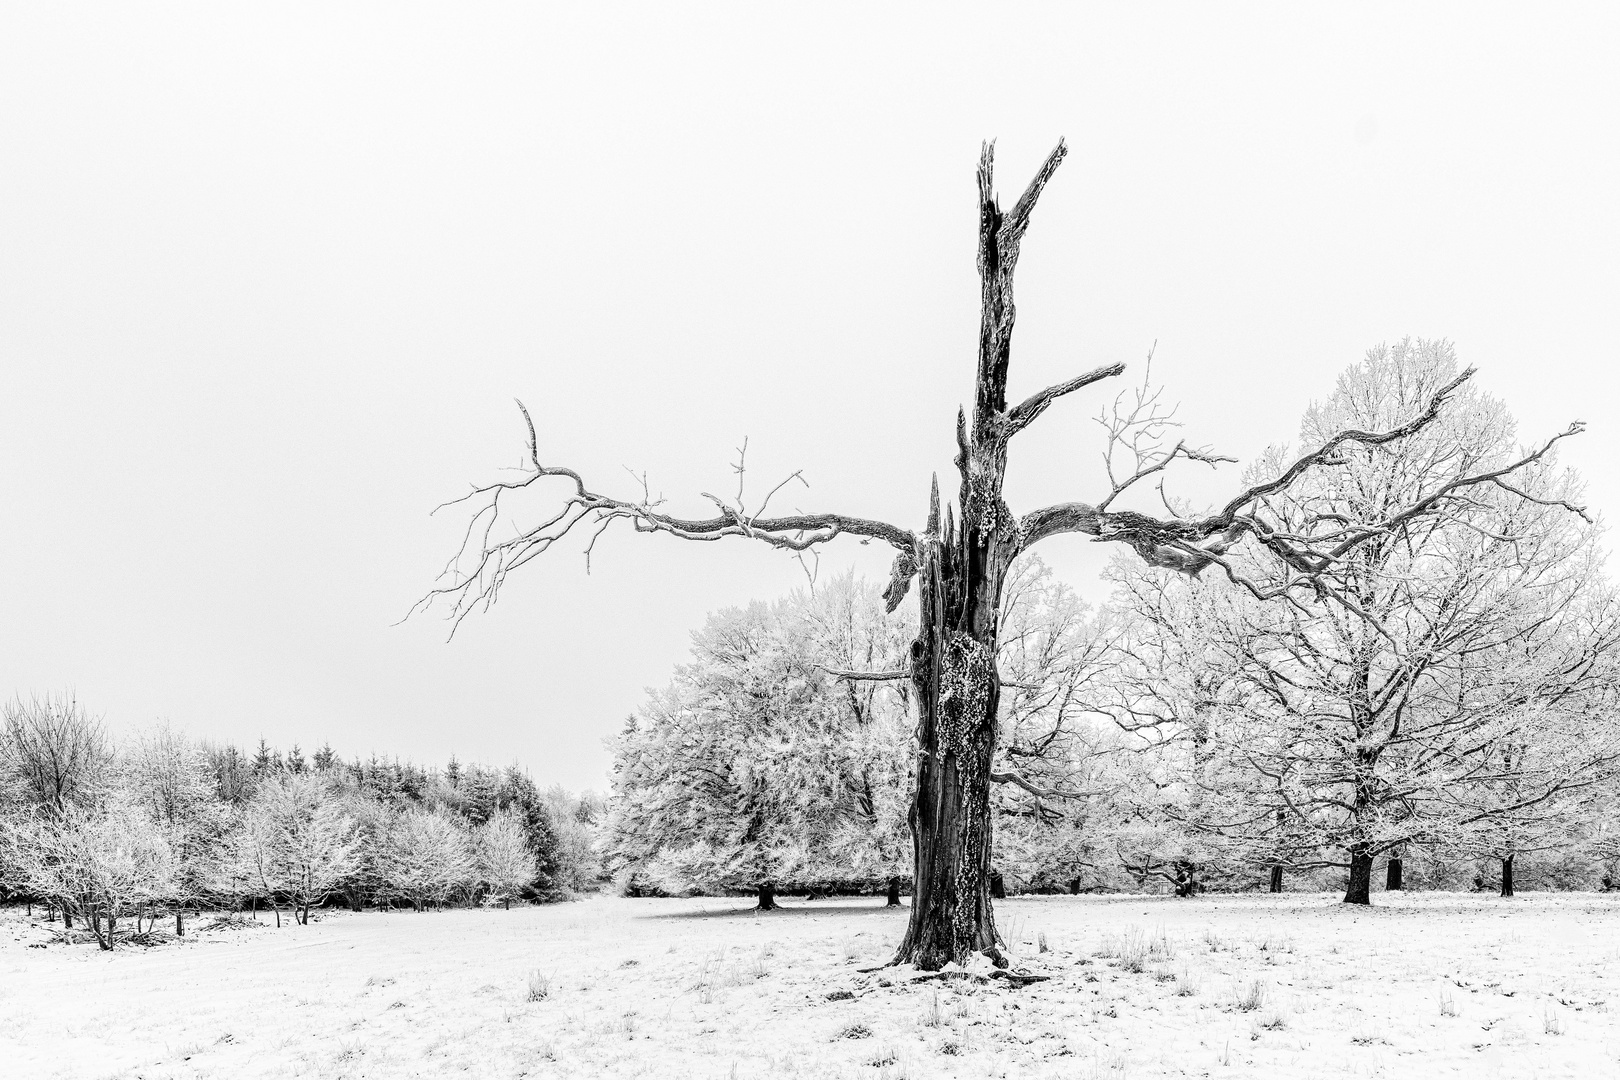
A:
(959, 562)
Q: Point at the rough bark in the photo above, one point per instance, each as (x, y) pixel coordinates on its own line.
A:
(1276, 879)
(1507, 876)
(894, 893)
(1359, 889)
(767, 896)
(1393, 875)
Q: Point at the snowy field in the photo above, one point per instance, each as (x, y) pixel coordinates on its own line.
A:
(1421, 985)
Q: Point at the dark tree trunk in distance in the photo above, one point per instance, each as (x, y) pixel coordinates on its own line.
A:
(998, 886)
(67, 919)
(1392, 876)
(179, 923)
(1276, 879)
(1507, 876)
(1074, 887)
(767, 896)
(894, 893)
(1359, 890)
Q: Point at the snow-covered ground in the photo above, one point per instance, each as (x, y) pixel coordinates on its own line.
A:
(1420, 985)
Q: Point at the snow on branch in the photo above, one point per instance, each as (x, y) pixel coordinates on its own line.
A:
(493, 558)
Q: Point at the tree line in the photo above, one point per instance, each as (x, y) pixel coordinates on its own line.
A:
(119, 836)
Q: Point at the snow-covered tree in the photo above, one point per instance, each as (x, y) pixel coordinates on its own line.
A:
(506, 864)
(108, 862)
(1056, 654)
(171, 777)
(1338, 710)
(765, 761)
(425, 857)
(53, 752)
(313, 841)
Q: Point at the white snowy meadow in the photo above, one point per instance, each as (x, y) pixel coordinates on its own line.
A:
(1421, 984)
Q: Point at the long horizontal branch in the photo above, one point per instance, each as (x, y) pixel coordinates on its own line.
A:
(494, 558)
(1190, 544)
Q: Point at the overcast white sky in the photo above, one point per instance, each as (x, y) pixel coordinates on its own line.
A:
(270, 277)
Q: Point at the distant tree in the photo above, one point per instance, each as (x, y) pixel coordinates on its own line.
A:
(254, 866)
(264, 759)
(506, 865)
(517, 792)
(761, 763)
(234, 780)
(56, 753)
(108, 862)
(325, 760)
(426, 858)
(170, 776)
(314, 844)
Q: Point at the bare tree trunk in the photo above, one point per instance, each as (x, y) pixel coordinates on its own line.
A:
(1507, 876)
(1359, 890)
(1276, 879)
(179, 923)
(767, 896)
(998, 886)
(508, 903)
(894, 893)
(1074, 887)
(103, 941)
(1393, 875)
(67, 918)
(277, 908)
(954, 674)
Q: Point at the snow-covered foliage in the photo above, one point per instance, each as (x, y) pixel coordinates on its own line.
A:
(505, 863)
(759, 763)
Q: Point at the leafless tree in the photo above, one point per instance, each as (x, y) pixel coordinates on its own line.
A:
(960, 560)
(57, 752)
